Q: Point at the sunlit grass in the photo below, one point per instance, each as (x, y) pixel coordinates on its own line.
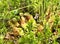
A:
(49, 18)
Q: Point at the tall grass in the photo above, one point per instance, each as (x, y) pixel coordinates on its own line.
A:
(11, 8)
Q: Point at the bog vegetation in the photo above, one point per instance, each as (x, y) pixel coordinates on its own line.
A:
(29, 21)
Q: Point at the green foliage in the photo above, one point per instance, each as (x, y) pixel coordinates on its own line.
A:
(11, 8)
